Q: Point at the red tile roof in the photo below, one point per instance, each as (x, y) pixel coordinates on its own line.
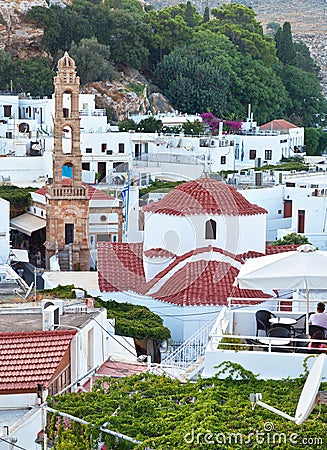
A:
(278, 124)
(94, 194)
(203, 282)
(273, 249)
(29, 358)
(117, 369)
(120, 266)
(159, 253)
(204, 196)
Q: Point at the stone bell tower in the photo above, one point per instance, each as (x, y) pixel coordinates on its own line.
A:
(67, 200)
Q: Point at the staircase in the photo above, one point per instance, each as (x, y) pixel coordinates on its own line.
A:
(187, 361)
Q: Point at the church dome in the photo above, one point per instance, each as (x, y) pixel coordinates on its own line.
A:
(204, 196)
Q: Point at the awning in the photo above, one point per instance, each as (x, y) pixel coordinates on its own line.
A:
(27, 223)
(19, 255)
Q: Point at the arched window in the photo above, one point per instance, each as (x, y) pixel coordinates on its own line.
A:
(211, 229)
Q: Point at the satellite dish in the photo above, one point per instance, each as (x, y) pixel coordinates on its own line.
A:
(36, 147)
(189, 146)
(308, 397)
(310, 390)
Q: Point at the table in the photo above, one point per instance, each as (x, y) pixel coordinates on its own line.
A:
(282, 321)
(275, 341)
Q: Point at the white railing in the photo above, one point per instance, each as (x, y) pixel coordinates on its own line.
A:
(186, 355)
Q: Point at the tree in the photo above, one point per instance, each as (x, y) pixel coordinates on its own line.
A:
(284, 44)
(303, 59)
(304, 90)
(206, 14)
(167, 32)
(150, 125)
(189, 14)
(311, 140)
(291, 239)
(6, 70)
(238, 23)
(194, 128)
(127, 125)
(126, 34)
(92, 60)
(47, 18)
(34, 77)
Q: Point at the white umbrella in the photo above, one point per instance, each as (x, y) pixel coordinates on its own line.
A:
(304, 268)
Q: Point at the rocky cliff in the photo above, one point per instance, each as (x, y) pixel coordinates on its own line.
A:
(17, 35)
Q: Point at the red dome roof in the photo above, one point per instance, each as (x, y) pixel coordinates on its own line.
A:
(204, 196)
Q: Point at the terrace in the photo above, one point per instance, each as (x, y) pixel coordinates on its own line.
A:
(237, 337)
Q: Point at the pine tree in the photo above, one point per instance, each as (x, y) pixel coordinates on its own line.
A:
(189, 16)
(284, 44)
(206, 15)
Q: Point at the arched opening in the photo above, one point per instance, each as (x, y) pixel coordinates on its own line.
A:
(67, 139)
(23, 127)
(67, 104)
(211, 229)
(67, 171)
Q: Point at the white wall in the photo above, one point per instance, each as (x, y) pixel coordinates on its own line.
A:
(79, 346)
(179, 234)
(183, 321)
(25, 431)
(266, 365)
(4, 230)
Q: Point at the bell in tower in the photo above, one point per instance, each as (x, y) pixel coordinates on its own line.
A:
(67, 207)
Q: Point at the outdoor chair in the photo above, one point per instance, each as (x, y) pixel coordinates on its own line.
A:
(262, 319)
(300, 326)
(280, 332)
(314, 328)
(300, 345)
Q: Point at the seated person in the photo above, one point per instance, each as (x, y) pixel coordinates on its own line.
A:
(318, 335)
(320, 318)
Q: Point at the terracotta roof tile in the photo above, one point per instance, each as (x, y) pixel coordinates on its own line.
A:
(94, 194)
(204, 196)
(277, 124)
(202, 283)
(29, 358)
(272, 249)
(159, 253)
(120, 266)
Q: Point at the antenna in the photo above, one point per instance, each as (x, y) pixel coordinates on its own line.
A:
(309, 396)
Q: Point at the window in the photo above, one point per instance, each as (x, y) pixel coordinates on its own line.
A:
(268, 154)
(252, 154)
(237, 151)
(121, 148)
(103, 147)
(65, 112)
(85, 166)
(88, 150)
(223, 160)
(103, 218)
(7, 110)
(69, 233)
(211, 229)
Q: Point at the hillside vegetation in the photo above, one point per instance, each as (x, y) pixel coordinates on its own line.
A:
(219, 61)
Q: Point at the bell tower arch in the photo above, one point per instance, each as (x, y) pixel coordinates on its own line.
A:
(67, 199)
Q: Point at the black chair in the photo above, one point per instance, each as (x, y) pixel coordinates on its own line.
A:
(300, 326)
(302, 343)
(280, 332)
(314, 328)
(262, 318)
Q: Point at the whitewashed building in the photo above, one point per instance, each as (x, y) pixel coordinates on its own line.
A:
(4, 230)
(195, 240)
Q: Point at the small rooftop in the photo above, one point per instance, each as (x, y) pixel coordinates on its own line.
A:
(18, 320)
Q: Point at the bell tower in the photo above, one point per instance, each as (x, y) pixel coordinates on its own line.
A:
(67, 200)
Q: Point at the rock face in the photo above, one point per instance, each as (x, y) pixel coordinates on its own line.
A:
(132, 94)
(17, 35)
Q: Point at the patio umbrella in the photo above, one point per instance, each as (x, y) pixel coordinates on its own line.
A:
(304, 268)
